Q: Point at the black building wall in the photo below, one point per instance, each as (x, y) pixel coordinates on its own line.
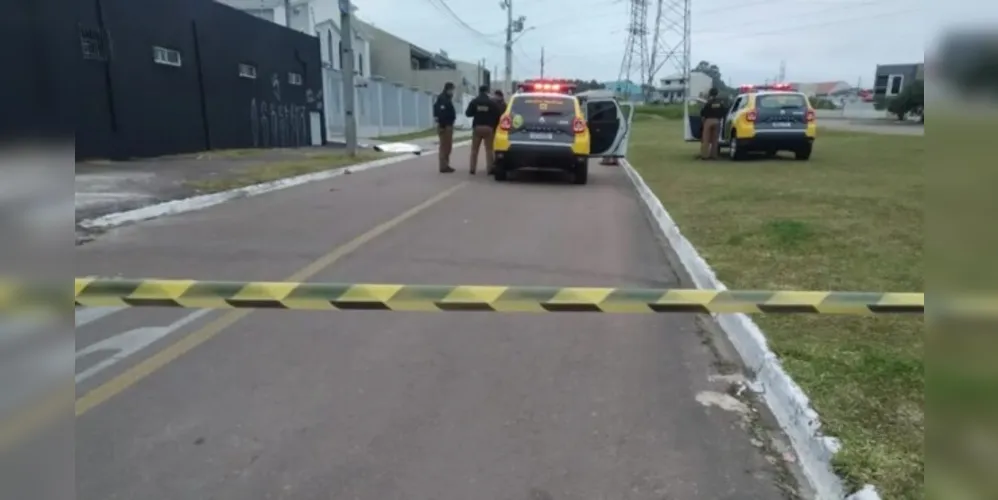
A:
(36, 83)
(131, 106)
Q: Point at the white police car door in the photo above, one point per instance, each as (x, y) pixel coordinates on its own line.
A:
(694, 126)
(609, 126)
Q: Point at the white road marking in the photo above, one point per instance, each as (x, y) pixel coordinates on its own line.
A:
(90, 314)
(131, 342)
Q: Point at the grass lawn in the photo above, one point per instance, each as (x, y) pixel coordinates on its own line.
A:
(849, 219)
(272, 171)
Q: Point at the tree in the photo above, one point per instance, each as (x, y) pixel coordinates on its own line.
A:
(714, 73)
(910, 100)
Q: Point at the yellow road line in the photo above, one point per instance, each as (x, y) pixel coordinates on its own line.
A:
(161, 358)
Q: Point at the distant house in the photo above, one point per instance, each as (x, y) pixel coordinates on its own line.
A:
(398, 60)
(890, 79)
(816, 89)
(673, 87)
(624, 88)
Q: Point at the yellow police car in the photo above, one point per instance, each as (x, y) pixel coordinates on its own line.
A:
(546, 125)
(765, 119)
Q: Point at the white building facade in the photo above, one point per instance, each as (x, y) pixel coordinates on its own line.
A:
(673, 88)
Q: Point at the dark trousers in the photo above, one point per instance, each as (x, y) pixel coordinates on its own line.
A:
(482, 134)
(708, 137)
(446, 144)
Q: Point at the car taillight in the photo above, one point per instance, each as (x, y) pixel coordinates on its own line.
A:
(505, 123)
(578, 126)
(810, 117)
(751, 116)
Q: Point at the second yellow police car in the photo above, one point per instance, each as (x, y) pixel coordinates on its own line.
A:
(767, 119)
(547, 126)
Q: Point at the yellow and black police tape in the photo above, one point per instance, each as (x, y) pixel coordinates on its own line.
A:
(382, 297)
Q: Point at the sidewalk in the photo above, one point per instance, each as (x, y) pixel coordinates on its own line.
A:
(425, 142)
(106, 187)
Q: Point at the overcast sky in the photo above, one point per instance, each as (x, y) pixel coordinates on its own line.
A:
(820, 40)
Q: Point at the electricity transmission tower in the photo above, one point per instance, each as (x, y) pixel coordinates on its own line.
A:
(636, 47)
(670, 41)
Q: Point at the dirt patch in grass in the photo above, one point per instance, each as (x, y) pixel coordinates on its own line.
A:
(849, 219)
(271, 171)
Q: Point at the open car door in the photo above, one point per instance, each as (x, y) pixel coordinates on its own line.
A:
(694, 126)
(609, 125)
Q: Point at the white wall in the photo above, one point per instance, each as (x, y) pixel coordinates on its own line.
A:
(329, 41)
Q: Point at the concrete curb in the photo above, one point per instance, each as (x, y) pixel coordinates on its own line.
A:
(783, 396)
(200, 202)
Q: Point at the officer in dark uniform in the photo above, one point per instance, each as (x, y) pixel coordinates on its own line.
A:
(484, 112)
(445, 116)
(501, 100)
(711, 114)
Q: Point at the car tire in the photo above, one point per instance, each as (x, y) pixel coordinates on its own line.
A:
(803, 153)
(500, 174)
(735, 151)
(581, 174)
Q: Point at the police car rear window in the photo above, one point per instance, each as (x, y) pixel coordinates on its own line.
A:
(534, 107)
(781, 101)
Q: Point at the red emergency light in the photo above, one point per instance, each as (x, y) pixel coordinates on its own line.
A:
(557, 86)
(776, 86)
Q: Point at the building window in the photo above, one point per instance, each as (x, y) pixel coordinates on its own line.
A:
(295, 78)
(329, 47)
(247, 71)
(168, 57)
(360, 64)
(895, 84)
(339, 50)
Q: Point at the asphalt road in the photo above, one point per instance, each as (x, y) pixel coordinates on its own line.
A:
(178, 405)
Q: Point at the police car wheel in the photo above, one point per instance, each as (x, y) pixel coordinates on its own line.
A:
(581, 174)
(804, 153)
(500, 174)
(735, 152)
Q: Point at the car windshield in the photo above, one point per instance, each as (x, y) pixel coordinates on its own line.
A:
(532, 107)
(781, 101)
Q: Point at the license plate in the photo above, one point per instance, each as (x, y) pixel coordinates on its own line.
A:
(782, 124)
(541, 137)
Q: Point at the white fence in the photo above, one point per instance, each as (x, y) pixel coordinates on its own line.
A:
(383, 108)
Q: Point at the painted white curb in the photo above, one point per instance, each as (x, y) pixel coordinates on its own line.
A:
(783, 396)
(199, 202)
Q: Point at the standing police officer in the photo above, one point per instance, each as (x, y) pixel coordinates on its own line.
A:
(445, 116)
(484, 113)
(711, 114)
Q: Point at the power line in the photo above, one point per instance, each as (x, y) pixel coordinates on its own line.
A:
(444, 8)
(799, 27)
(724, 36)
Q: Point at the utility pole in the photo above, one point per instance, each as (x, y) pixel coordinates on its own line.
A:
(512, 26)
(287, 13)
(783, 72)
(346, 33)
(542, 62)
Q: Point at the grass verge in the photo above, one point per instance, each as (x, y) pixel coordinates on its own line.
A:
(273, 171)
(851, 218)
(419, 134)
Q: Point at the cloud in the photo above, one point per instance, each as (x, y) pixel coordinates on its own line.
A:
(747, 39)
